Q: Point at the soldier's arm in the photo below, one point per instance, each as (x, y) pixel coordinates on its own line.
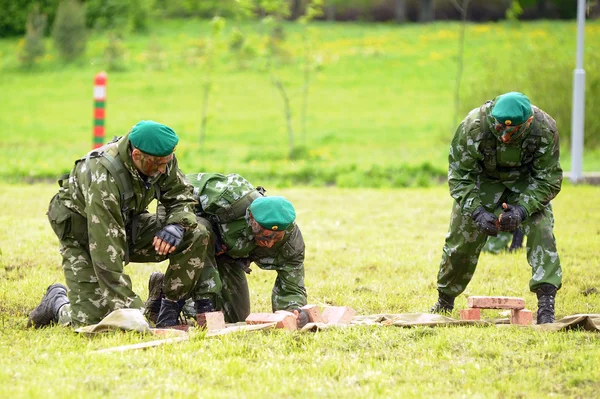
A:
(464, 170)
(177, 197)
(546, 173)
(107, 239)
(288, 292)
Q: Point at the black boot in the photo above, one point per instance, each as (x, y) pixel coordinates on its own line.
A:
(546, 294)
(155, 295)
(444, 304)
(169, 313)
(204, 305)
(46, 312)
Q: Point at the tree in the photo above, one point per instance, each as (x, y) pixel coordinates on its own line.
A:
(330, 10)
(33, 45)
(314, 9)
(275, 12)
(462, 8)
(426, 11)
(400, 11)
(69, 30)
(217, 25)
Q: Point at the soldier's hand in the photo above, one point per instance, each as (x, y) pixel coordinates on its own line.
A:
(485, 221)
(301, 317)
(166, 240)
(511, 217)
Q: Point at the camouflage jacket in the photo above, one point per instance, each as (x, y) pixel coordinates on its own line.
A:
(477, 154)
(285, 257)
(95, 195)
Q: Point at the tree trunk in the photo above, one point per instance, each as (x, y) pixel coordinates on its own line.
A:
(541, 8)
(400, 10)
(296, 9)
(330, 11)
(426, 11)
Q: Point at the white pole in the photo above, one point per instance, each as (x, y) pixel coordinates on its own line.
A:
(578, 112)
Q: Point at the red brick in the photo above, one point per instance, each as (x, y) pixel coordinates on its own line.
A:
(211, 320)
(470, 314)
(495, 302)
(314, 313)
(338, 314)
(521, 317)
(283, 319)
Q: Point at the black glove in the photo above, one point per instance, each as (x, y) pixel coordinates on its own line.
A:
(244, 264)
(485, 221)
(517, 241)
(172, 234)
(302, 317)
(511, 217)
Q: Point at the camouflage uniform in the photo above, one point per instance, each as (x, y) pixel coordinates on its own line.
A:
(223, 279)
(97, 237)
(483, 171)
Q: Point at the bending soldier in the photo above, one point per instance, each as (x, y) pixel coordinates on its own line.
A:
(245, 227)
(504, 160)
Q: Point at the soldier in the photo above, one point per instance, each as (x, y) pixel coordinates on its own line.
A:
(504, 160)
(100, 217)
(245, 227)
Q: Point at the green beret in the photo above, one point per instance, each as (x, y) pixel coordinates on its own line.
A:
(153, 138)
(273, 213)
(512, 108)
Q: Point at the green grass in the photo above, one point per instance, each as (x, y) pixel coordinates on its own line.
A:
(374, 250)
(382, 98)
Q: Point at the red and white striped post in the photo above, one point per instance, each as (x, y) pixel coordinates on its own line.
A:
(99, 104)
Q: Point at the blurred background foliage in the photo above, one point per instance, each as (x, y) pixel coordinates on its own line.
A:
(274, 90)
(133, 14)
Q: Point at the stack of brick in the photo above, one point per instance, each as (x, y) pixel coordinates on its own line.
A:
(518, 314)
(287, 320)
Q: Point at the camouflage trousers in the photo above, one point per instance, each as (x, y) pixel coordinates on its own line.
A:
(91, 289)
(464, 243)
(226, 285)
(223, 281)
(499, 243)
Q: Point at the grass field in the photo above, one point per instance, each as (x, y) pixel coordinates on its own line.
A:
(381, 98)
(374, 250)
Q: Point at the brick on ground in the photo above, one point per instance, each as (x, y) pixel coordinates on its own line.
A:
(211, 320)
(338, 314)
(521, 317)
(470, 314)
(286, 320)
(495, 302)
(314, 313)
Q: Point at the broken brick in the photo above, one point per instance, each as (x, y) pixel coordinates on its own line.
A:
(314, 313)
(286, 320)
(338, 314)
(211, 320)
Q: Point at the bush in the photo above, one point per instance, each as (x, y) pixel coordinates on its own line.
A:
(33, 45)
(114, 53)
(196, 8)
(14, 14)
(69, 30)
(116, 14)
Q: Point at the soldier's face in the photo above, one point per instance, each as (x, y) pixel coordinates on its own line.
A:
(149, 165)
(509, 132)
(264, 237)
